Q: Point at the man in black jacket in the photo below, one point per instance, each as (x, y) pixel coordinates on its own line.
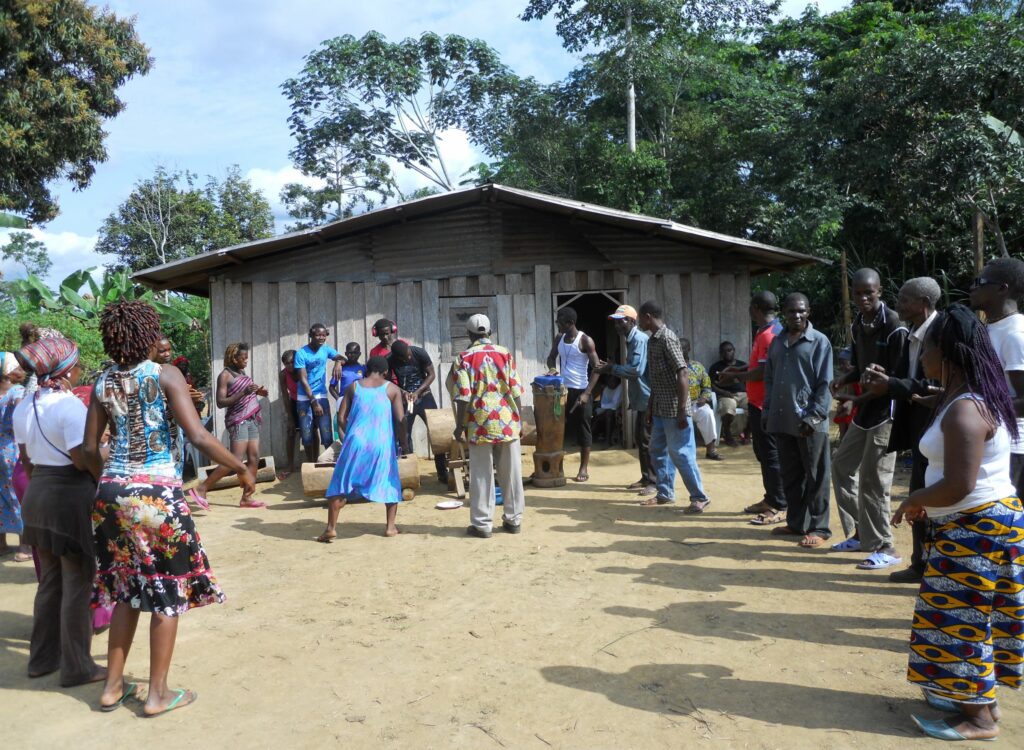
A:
(916, 306)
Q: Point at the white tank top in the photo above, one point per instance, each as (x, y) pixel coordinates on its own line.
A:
(574, 362)
(993, 475)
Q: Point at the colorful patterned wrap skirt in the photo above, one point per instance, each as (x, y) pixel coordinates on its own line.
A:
(968, 631)
(148, 553)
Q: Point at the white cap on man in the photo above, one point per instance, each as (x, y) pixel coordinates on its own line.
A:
(478, 324)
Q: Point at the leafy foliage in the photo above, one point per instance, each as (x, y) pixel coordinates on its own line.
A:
(361, 106)
(168, 217)
(29, 253)
(61, 64)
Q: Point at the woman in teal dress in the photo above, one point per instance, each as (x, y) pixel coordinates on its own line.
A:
(11, 393)
(371, 415)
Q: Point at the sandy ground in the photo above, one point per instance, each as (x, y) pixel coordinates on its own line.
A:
(602, 625)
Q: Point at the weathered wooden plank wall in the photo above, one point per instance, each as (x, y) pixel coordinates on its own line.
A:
(274, 317)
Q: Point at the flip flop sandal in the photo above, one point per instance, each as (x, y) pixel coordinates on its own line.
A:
(696, 506)
(716, 456)
(759, 507)
(940, 730)
(253, 504)
(656, 500)
(848, 545)
(199, 499)
(784, 531)
(879, 560)
(128, 690)
(812, 541)
(22, 557)
(769, 518)
(176, 703)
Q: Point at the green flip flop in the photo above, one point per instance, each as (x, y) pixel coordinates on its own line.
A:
(128, 690)
(176, 703)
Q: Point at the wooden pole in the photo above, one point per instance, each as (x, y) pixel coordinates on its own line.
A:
(847, 319)
(979, 241)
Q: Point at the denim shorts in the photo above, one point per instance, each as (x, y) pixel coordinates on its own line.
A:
(310, 424)
(244, 431)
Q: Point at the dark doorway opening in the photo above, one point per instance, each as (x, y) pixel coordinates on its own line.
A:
(592, 311)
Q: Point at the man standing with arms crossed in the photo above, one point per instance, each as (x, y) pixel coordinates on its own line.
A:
(771, 509)
(639, 392)
(486, 391)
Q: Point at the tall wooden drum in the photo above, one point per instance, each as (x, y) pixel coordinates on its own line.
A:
(549, 412)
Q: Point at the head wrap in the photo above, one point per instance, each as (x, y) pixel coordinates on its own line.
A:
(8, 364)
(50, 360)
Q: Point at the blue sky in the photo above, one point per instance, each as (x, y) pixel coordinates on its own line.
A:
(212, 98)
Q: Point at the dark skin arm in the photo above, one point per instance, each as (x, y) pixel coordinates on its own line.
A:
(683, 388)
(730, 375)
(398, 416)
(588, 348)
(1016, 378)
(964, 432)
(427, 382)
(343, 409)
(304, 385)
(553, 354)
(223, 381)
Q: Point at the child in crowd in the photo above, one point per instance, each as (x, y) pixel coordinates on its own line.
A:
(289, 386)
(351, 371)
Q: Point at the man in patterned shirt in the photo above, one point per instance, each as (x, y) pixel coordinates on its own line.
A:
(672, 441)
(700, 400)
(487, 392)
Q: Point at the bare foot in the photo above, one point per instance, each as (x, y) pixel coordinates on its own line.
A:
(581, 477)
(974, 728)
(328, 536)
(392, 531)
(282, 475)
(156, 705)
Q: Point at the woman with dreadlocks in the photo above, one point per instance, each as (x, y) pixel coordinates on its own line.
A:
(968, 630)
(149, 556)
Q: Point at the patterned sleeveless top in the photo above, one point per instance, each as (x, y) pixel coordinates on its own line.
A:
(144, 436)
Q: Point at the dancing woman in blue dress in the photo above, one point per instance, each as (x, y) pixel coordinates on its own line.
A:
(371, 415)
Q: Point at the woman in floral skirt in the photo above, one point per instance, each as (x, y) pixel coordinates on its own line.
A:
(149, 556)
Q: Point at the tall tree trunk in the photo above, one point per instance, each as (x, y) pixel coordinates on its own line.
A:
(630, 88)
(979, 240)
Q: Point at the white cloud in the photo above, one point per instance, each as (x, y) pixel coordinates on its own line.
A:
(68, 252)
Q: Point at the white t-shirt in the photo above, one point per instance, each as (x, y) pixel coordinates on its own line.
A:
(1008, 340)
(611, 398)
(63, 422)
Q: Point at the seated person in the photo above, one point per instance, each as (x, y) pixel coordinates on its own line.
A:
(700, 401)
(732, 397)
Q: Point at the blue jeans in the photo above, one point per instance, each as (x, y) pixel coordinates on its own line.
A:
(671, 449)
(309, 423)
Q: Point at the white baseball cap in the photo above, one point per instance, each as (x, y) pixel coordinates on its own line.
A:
(478, 323)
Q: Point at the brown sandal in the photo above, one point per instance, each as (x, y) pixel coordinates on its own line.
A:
(812, 541)
(769, 518)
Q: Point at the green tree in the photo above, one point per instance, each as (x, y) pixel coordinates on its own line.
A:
(360, 104)
(29, 253)
(168, 217)
(61, 64)
(632, 31)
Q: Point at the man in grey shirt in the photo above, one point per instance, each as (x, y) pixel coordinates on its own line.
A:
(796, 407)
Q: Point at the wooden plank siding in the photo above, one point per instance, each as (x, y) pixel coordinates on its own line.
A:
(274, 317)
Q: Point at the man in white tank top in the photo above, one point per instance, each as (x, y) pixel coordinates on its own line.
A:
(580, 372)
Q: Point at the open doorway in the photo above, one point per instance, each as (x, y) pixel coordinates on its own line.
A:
(592, 311)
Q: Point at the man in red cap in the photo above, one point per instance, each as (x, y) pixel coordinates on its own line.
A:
(633, 371)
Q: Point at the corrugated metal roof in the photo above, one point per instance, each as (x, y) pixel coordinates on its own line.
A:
(192, 274)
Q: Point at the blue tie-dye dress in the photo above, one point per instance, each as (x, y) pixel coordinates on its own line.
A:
(368, 464)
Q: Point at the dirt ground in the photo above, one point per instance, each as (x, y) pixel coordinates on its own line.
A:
(602, 625)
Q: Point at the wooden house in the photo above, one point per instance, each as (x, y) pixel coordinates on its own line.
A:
(430, 263)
